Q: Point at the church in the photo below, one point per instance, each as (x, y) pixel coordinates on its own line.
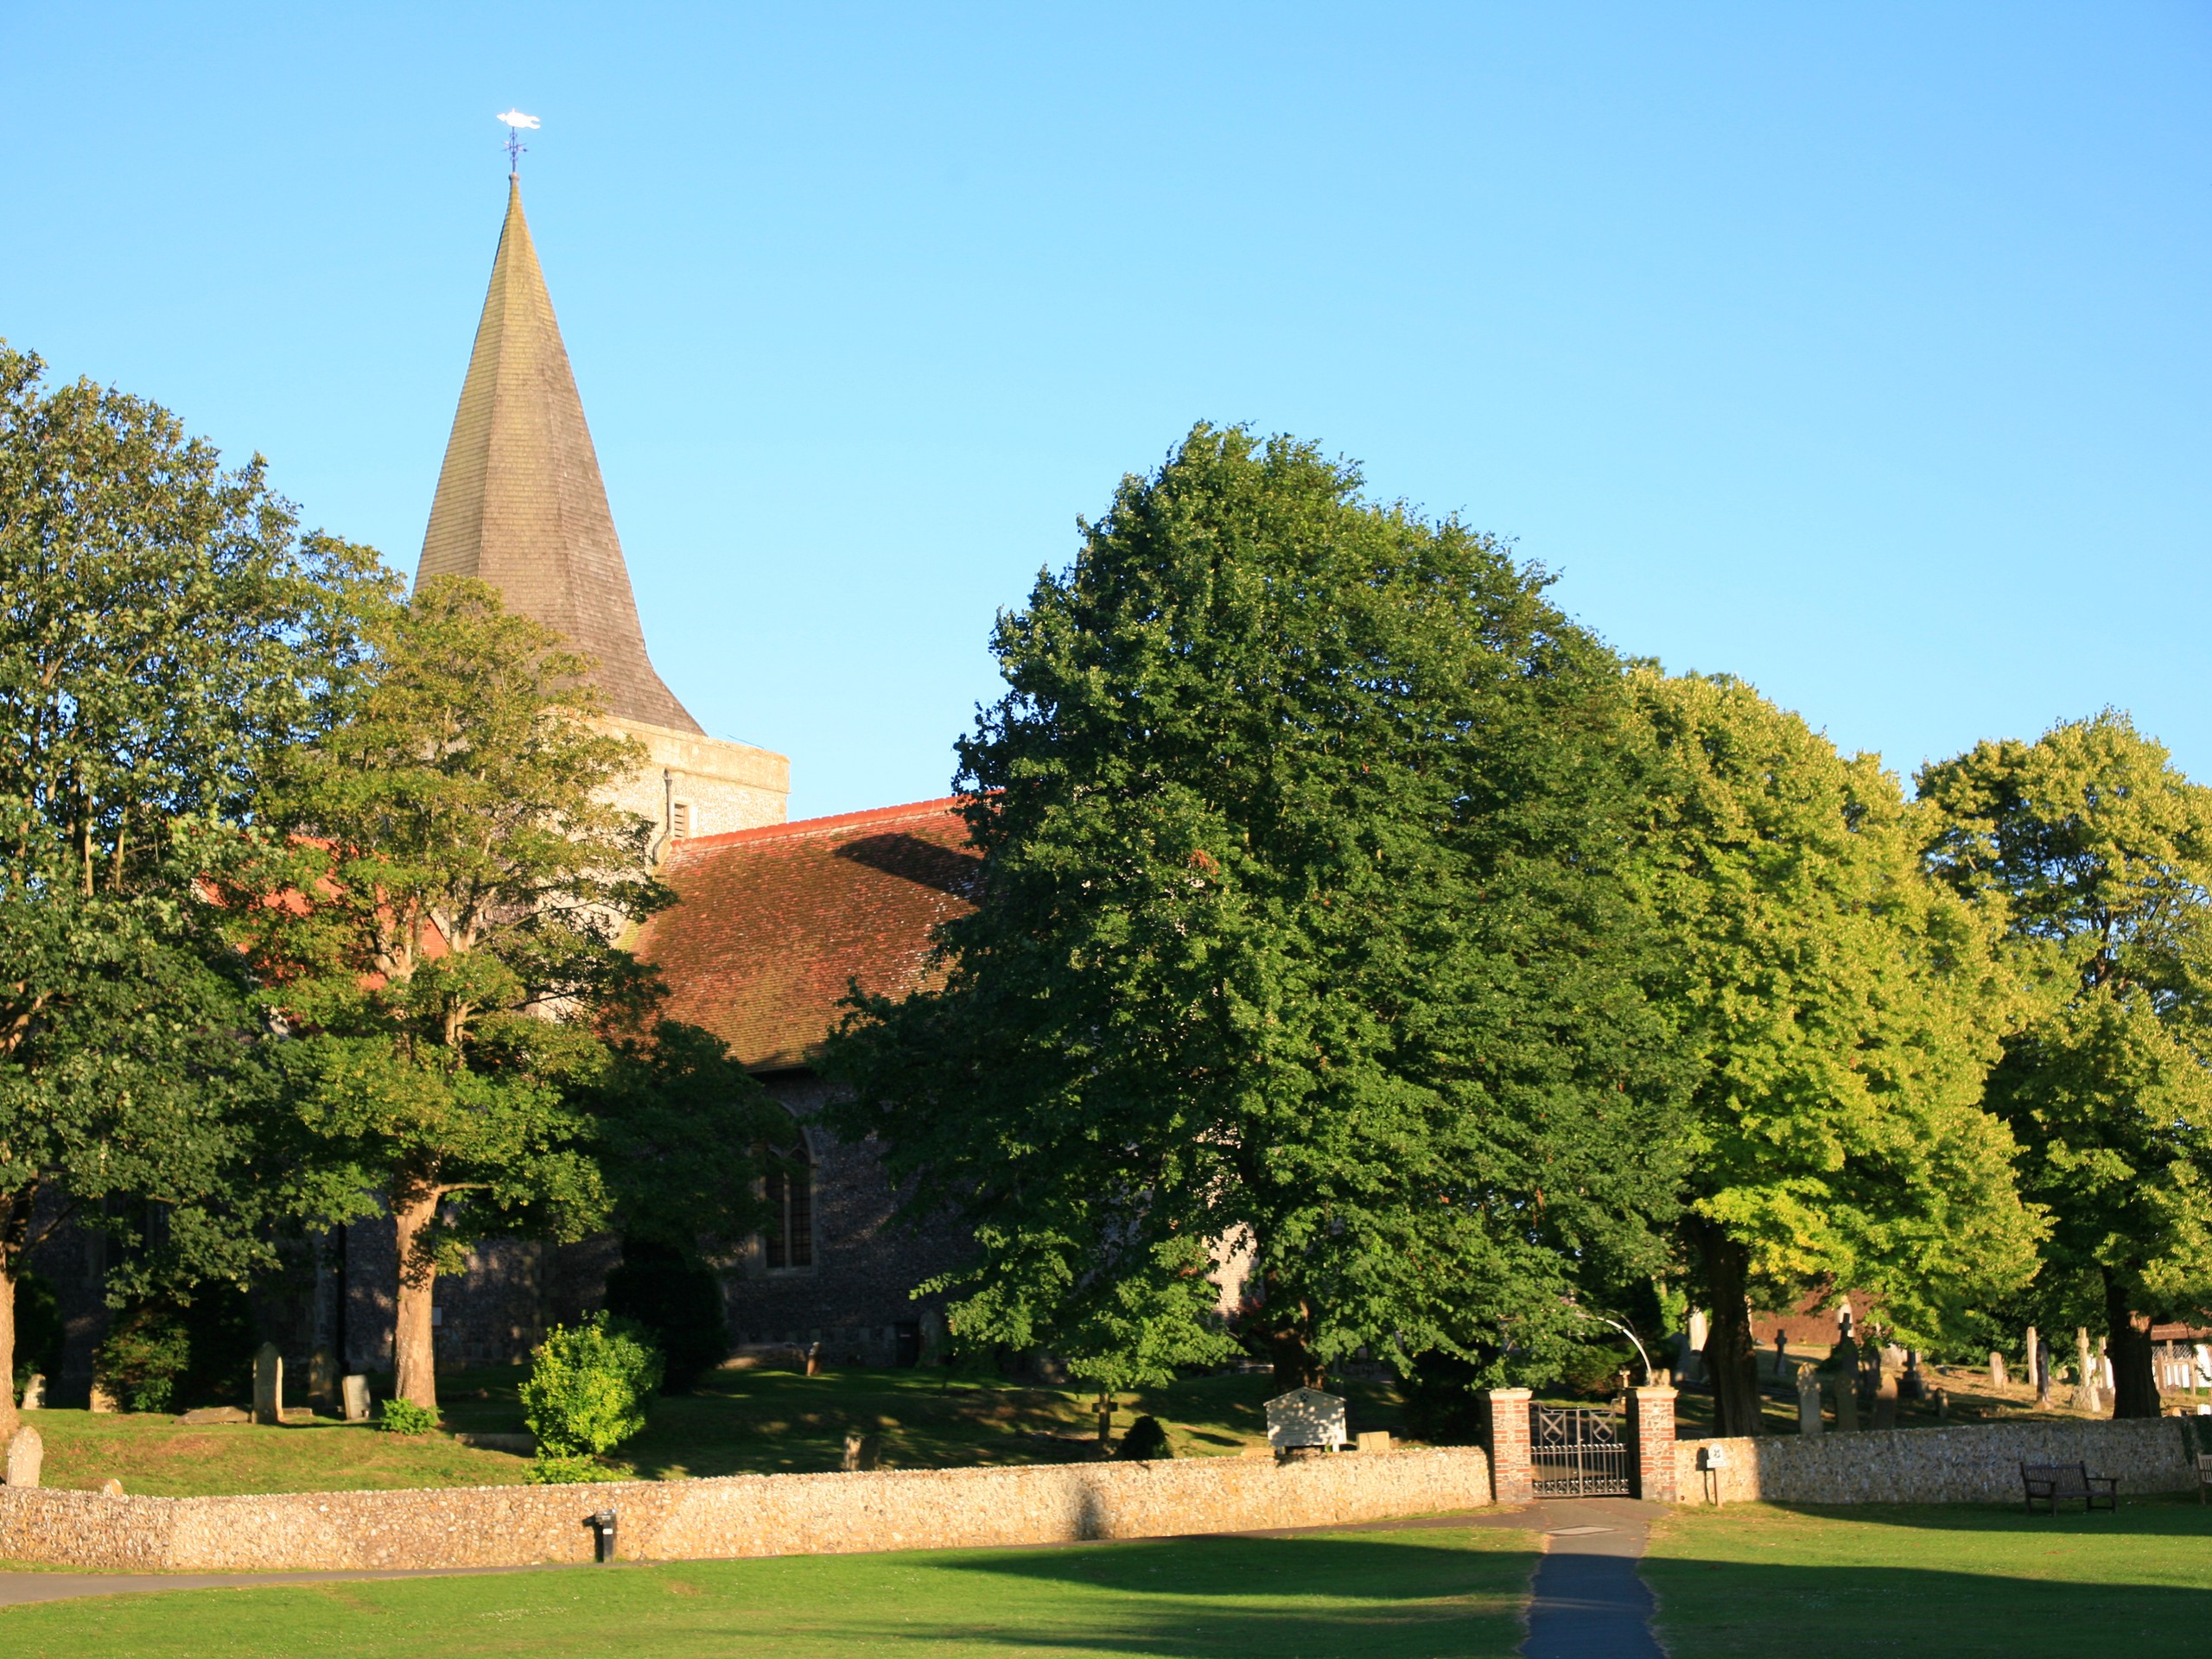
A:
(773, 920)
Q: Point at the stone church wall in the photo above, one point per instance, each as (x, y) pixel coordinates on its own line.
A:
(727, 785)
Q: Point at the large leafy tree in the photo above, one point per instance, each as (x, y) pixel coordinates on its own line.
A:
(437, 929)
(163, 630)
(2102, 851)
(1843, 1010)
(1301, 962)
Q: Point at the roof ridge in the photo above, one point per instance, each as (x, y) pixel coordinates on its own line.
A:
(798, 828)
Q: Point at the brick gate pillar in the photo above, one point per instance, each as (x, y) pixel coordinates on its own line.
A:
(1652, 1444)
(1511, 1478)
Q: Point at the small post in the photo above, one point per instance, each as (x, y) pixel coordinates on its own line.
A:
(1651, 1445)
(602, 1525)
(1512, 1475)
(268, 1385)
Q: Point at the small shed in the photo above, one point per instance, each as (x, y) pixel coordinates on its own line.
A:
(1307, 1417)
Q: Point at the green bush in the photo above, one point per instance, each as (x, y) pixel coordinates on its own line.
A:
(405, 1417)
(145, 1351)
(560, 1469)
(587, 1386)
(679, 1302)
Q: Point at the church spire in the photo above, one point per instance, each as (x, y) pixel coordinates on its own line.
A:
(520, 502)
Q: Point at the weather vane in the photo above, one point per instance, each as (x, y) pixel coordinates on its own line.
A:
(516, 148)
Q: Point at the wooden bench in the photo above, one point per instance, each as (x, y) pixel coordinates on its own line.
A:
(2053, 1483)
(2203, 1473)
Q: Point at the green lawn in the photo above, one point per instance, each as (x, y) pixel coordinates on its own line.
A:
(1756, 1579)
(765, 1421)
(1373, 1595)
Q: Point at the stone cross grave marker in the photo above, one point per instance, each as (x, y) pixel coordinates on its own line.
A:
(354, 1393)
(268, 1385)
(26, 1453)
(1305, 1417)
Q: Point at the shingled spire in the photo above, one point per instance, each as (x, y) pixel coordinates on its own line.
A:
(520, 502)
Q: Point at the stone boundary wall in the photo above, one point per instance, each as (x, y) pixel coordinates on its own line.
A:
(1971, 1464)
(735, 1515)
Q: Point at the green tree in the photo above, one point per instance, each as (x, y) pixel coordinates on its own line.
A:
(439, 931)
(1301, 964)
(2103, 852)
(1844, 1010)
(163, 630)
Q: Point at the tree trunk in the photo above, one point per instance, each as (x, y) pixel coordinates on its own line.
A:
(414, 1354)
(1731, 1357)
(8, 1420)
(2127, 1337)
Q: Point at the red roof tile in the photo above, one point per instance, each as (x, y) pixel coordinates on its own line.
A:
(772, 924)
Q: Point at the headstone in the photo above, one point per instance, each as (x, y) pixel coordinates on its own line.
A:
(1700, 1332)
(1372, 1439)
(1885, 1399)
(1808, 1401)
(203, 1415)
(2085, 1374)
(110, 1487)
(26, 1453)
(1847, 1401)
(937, 1341)
(2034, 1379)
(268, 1385)
(104, 1398)
(862, 1450)
(322, 1381)
(354, 1398)
(34, 1392)
(1996, 1369)
(814, 1359)
(1305, 1417)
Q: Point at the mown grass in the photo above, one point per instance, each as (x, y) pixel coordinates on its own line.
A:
(1369, 1595)
(767, 1421)
(1958, 1580)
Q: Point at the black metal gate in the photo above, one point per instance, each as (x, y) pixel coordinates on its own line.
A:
(1577, 1452)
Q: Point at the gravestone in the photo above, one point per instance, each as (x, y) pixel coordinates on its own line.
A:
(26, 1453)
(203, 1414)
(1847, 1401)
(34, 1392)
(354, 1398)
(104, 1398)
(1305, 1417)
(1996, 1369)
(110, 1487)
(862, 1450)
(2085, 1374)
(1372, 1439)
(937, 1341)
(268, 1385)
(1808, 1401)
(1885, 1399)
(2034, 1379)
(322, 1381)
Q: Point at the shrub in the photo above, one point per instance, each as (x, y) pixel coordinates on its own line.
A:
(145, 1350)
(587, 1386)
(1146, 1440)
(563, 1469)
(405, 1417)
(679, 1302)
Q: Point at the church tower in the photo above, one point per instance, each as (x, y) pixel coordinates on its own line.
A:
(520, 503)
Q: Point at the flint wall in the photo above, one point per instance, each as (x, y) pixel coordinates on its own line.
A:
(1971, 1464)
(735, 1515)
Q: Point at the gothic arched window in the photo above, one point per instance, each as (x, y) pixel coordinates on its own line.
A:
(790, 1210)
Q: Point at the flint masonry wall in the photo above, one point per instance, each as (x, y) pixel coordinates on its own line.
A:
(737, 1516)
(1976, 1464)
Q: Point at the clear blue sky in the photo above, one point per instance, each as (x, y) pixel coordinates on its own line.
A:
(1863, 351)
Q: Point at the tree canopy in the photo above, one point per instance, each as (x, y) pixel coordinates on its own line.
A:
(1843, 1010)
(2101, 852)
(164, 631)
(1304, 963)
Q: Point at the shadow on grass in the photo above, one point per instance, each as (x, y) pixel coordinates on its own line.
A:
(2159, 1515)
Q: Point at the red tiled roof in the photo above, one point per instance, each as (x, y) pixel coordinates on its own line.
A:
(772, 924)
